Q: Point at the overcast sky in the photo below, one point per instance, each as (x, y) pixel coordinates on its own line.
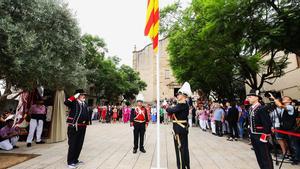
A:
(119, 22)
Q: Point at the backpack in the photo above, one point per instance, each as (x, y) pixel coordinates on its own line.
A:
(297, 121)
(288, 122)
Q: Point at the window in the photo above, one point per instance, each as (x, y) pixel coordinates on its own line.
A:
(167, 74)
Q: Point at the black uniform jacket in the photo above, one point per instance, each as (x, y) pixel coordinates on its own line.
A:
(83, 118)
(260, 121)
(181, 111)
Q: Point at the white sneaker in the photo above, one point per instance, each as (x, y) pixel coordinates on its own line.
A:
(72, 166)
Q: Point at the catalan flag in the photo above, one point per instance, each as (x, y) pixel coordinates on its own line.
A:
(152, 22)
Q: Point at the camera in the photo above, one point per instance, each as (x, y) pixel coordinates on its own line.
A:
(276, 94)
(271, 106)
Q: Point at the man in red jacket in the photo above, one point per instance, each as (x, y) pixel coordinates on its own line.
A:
(139, 120)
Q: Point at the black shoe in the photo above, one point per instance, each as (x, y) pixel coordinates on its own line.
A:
(28, 144)
(15, 147)
(143, 150)
(134, 151)
(41, 142)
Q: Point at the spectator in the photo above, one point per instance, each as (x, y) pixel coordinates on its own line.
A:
(225, 125)
(120, 113)
(203, 117)
(219, 119)
(103, 114)
(295, 141)
(38, 116)
(281, 117)
(95, 113)
(154, 114)
(193, 115)
(161, 115)
(9, 135)
(242, 120)
(114, 114)
(232, 118)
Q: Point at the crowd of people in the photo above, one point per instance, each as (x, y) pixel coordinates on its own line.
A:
(121, 113)
(232, 119)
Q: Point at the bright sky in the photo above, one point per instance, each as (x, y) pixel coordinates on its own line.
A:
(119, 22)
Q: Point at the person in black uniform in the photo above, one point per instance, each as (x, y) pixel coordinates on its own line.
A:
(179, 114)
(79, 117)
(139, 120)
(260, 127)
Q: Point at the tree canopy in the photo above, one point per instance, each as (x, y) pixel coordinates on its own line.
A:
(219, 45)
(105, 77)
(41, 44)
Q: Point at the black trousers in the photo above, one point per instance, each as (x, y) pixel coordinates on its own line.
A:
(182, 151)
(75, 141)
(219, 130)
(138, 134)
(262, 152)
(233, 128)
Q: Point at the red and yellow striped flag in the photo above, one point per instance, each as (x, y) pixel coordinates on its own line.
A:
(152, 22)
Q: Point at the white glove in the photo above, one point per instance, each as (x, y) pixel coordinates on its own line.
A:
(76, 95)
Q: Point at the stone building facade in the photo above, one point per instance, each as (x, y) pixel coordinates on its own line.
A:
(144, 62)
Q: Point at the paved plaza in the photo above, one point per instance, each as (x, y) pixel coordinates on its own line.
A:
(109, 146)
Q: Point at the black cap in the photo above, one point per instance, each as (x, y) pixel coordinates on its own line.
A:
(81, 91)
(254, 92)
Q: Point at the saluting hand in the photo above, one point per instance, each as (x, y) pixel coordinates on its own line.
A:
(76, 95)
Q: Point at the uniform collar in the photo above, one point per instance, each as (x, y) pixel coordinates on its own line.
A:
(80, 102)
(254, 106)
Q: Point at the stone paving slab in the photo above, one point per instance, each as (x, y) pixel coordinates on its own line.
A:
(109, 146)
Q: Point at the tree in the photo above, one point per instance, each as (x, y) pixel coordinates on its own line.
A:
(218, 43)
(40, 45)
(94, 49)
(239, 33)
(109, 81)
(132, 82)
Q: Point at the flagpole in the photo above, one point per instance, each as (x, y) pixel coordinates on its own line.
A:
(152, 30)
(157, 109)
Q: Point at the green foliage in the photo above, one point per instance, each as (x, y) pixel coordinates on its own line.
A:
(109, 81)
(132, 82)
(40, 44)
(219, 45)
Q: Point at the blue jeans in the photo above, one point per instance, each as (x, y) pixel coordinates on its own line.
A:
(241, 129)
